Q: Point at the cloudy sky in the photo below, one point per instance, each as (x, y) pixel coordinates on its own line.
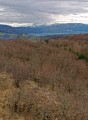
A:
(28, 12)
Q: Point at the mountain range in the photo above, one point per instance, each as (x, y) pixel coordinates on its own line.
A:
(9, 32)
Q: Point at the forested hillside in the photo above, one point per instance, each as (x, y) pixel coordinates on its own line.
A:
(44, 80)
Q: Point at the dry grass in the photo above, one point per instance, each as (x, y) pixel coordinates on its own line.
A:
(44, 80)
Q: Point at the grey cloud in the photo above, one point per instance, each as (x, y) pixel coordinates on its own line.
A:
(39, 11)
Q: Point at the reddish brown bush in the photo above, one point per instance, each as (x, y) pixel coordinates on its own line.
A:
(50, 78)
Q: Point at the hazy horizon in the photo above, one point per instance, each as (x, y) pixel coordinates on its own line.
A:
(29, 25)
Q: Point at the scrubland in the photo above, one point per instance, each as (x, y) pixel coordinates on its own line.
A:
(45, 79)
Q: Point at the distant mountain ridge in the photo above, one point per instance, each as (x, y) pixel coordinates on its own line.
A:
(45, 30)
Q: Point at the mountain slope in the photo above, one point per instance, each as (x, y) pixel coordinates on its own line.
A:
(45, 30)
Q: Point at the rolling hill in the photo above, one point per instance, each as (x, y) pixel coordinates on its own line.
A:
(43, 30)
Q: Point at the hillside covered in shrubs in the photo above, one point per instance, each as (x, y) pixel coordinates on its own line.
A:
(45, 79)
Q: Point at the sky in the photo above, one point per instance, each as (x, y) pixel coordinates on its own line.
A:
(31, 12)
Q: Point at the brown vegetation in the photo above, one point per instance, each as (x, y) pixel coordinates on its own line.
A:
(44, 80)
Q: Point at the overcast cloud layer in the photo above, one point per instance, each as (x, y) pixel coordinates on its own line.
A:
(27, 12)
